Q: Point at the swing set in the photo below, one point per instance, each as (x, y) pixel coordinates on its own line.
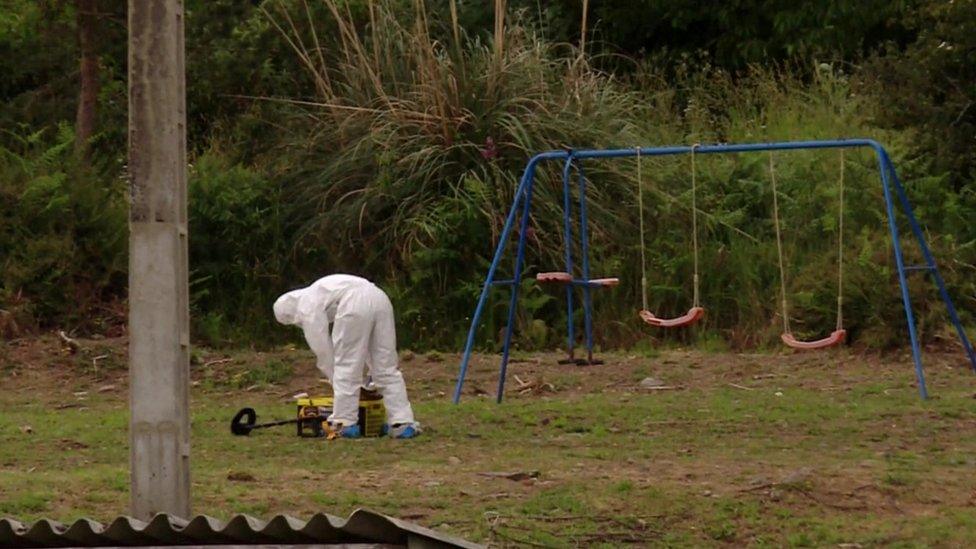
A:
(890, 183)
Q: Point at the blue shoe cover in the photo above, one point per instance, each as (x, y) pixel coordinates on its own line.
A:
(406, 430)
(350, 431)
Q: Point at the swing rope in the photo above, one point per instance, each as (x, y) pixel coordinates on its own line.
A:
(695, 313)
(694, 220)
(779, 249)
(840, 246)
(839, 333)
(640, 203)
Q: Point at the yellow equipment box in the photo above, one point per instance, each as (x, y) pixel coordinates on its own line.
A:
(372, 415)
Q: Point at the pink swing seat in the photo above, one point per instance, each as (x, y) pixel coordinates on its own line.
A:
(835, 338)
(692, 316)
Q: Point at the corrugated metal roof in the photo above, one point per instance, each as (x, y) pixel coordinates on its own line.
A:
(163, 530)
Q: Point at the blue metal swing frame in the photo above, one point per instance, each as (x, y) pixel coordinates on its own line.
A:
(890, 183)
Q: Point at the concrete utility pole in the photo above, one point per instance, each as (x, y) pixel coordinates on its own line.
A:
(159, 337)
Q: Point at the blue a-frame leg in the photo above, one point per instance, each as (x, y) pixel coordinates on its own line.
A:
(930, 265)
(568, 238)
(585, 252)
(523, 201)
(585, 282)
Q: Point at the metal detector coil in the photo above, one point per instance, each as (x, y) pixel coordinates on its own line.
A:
(245, 421)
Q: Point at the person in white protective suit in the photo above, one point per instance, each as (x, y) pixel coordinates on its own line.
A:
(363, 332)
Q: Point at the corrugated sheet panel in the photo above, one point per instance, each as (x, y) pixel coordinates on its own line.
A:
(163, 530)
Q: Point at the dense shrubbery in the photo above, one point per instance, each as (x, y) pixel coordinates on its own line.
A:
(401, 157)
(63, 236)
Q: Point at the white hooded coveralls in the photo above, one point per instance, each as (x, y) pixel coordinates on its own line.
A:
(363, 332)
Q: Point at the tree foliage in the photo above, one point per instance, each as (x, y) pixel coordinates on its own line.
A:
(384, 138)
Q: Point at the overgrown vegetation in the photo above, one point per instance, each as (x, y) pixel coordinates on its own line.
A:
(63, 236)
(386, 139)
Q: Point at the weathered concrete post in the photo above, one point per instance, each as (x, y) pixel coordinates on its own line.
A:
(159, 430)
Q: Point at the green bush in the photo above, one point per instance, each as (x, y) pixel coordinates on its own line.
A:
(399, 156)
(240, 258)
(62, 234)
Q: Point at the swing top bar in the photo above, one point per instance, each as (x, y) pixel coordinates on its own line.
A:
(711, 149)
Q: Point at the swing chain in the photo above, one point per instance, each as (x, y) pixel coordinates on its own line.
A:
(840, 247)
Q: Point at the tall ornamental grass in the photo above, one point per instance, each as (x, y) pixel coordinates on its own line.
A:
(402, 163)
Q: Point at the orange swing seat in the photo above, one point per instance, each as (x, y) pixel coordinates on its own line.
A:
(692, 316)
(835, 338)
(557, 276)
(563, 277)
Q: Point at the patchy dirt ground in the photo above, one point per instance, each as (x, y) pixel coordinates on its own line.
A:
(676, 447)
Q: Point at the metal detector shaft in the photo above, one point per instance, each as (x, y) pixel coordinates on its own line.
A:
(245, 421)
(276, 423)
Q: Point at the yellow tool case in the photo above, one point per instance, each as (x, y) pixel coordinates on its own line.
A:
(372, 415)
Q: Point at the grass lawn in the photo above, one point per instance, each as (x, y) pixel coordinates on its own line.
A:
(742, 449)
